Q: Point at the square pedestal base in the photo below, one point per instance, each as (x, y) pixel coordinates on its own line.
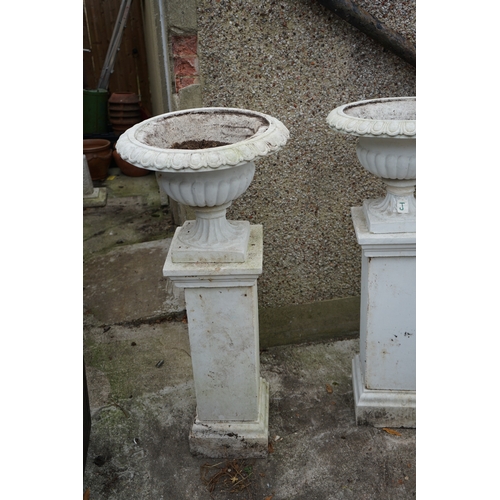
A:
(232, 251)
(98, 198)
(382, 408)
(388, 222)
(233, 439)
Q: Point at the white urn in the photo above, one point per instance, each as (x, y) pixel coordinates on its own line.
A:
(205, 159)
(386, 147)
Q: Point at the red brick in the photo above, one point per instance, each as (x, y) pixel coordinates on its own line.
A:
(185, 81)
(186, 66)
(184, 45)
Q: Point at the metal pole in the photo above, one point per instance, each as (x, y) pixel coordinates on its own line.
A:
(114, 44)
(166, 59)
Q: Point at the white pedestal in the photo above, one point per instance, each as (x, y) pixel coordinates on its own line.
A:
(97, 198)
(384, 373)
(92, 197)
(222, 308)
(218, 248)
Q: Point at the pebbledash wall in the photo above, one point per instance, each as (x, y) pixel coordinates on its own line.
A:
(294, 60)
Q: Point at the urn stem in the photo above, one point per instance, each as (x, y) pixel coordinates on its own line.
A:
(210, 228)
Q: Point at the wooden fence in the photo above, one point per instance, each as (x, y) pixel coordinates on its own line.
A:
(130, 70)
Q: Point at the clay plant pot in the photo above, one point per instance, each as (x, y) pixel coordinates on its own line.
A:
(127, 168)
(98, 154)
(124, 111)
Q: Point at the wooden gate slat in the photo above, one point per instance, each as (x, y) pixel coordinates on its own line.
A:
(130, 71)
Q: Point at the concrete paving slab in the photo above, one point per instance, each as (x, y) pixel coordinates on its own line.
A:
(133, 213)
(139, 443)
(127, 284)
(128, 361)
(123, 221)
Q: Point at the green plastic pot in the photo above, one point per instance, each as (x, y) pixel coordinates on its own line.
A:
(95, 111)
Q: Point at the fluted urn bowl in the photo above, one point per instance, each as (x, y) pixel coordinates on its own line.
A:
(205, 159)
(386, 147)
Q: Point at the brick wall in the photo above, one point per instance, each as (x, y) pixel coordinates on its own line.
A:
(185, 53)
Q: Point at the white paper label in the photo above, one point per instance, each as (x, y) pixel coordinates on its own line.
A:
(402, 206)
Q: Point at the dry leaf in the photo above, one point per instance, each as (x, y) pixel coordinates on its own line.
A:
(270, 447)
(269, 497)
(329, 389)
(86, 495)
(233, 474)
(391, 431)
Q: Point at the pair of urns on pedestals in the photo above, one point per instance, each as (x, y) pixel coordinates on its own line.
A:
(205, 159)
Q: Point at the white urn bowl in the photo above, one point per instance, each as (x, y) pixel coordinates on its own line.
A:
(386, 147)
(205, 159)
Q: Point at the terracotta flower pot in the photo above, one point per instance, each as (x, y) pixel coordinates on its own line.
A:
(98, 153)
(124, 111)
(127, 168)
